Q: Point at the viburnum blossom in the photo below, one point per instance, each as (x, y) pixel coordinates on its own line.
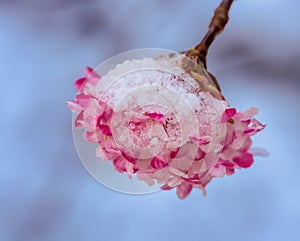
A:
(163, 145)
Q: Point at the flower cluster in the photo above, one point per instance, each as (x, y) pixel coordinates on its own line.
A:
(192, 164)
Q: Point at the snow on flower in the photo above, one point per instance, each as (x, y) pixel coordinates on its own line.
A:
(159, 145)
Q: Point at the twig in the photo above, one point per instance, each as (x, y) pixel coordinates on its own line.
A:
(216, 26)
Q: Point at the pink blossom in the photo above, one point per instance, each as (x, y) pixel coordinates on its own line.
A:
(184, 166)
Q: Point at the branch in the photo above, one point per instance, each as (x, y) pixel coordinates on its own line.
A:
(216, 26)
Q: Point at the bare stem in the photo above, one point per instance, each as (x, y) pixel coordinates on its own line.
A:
(216, 26)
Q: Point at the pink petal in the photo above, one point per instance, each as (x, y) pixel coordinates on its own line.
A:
(255, 127)
(146, 178)
(230, 136)
(92, 78)
(166, 187)
(173, 154)
(107, 114)
(79, 120)
(129, 158)
(248, 114)
(174, 181)
(160, 118)
(73, 106)
(79, 84)
(195, 180)
(129, 169)
(93, 136)
(100, 116)
(110, 152)
(200, 154)
(242, 144)
(219, 171)
(92, 75)
(229, 171)
(105, 130)
(120, 164)
(88, 70)
(183, 190)
(226, 163)
(204, 140)
(138, 118)
(158, 163)
(185, 156)
(90, 117)
(84, 100)
(228, 114)
(244, 161)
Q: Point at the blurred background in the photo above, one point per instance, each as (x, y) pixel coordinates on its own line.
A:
(45, 192)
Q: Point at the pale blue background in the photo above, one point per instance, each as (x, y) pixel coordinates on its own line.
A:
(46, 194)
